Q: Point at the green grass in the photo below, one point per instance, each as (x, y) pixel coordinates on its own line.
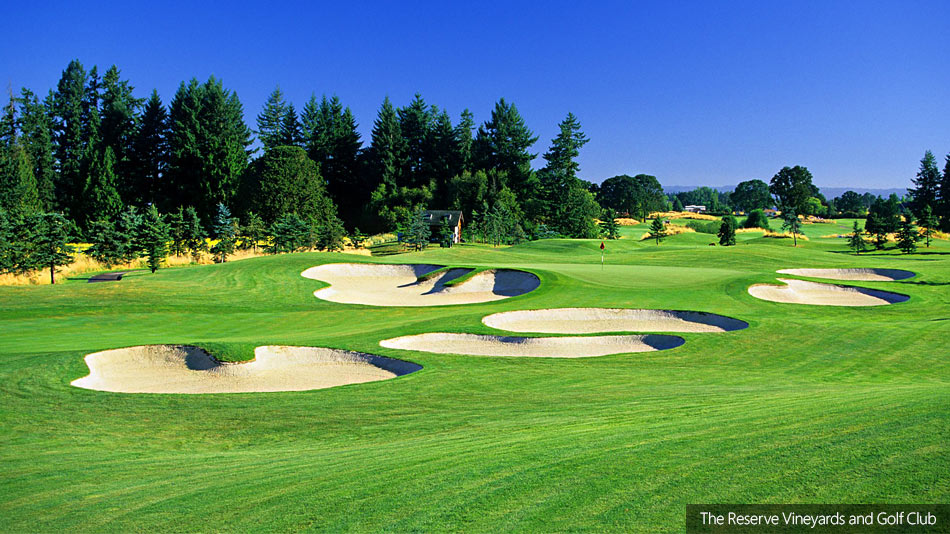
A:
(809, 404)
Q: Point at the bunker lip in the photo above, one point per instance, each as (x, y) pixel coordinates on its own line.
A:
(379, 284)
(533, 347)
(818, 294)
(600, 320)
(191, 370)
(866, 275)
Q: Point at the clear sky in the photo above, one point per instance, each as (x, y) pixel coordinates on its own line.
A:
(696, 93)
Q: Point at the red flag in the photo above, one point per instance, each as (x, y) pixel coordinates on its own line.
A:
(601, 245)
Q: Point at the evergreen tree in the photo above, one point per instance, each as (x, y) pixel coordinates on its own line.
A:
(10, 255)
(66, 112)
(387, 146)
(464, 140)
(50, 246)
(154, 236)
(176, 230)
(291, 133)
(18, 193)
(558, 179)
(907, 237)
(609, 227)
(148, 158)
(927, 184)
(727, 231)
(107, 243)
(208, 145)
(225, 231)
(253, 232)
(128, 227)
(575, 214)
(38, 141)
(270, 121)
(927, 222)
(503, 144)
(118, 130)
(290, 233)
(792, 224)
(284, 180)
(444, 161)
(330, 233)
(942, 210)
(415, 124)
(332, 142)
(856, 241)
(195, 237)
(101, 200)
(419, 231)
(678, 204)
(657, 230)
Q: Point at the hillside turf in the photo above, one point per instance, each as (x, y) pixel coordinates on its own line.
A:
(809, 404)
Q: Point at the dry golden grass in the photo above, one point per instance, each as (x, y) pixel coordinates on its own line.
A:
(671, 229)
(784, 235)
(626, 221)
(683, 215)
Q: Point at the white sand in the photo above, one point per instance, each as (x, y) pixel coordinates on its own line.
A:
(542, 347)
(187, 369)
(801, 292)
(595, 320)
(868, 275)
(397, 285)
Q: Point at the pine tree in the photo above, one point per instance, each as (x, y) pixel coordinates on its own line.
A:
(290, 233)
(856, 240)
(727, 231)
(927, 184)
(101, 200)
(444, 161)
(18, 193)
(128, 227)
(270, 121)
(657, 230)
(419, 231)
(195, 238)
(149, 156)
(330, 233)
(503, 144)
(66, 111)
(154, 236)
(226, 233)
(50, 246)
(38, 141)
(608, 226)
(387, 146)
(284, 180)
(464, 140)
(176, 229)
(120, 118)
(927, 222)
(253, 232)
(291, 133)
(332, 142)
(415, 124)
(107, 244)
(907, 237)
(942, 211)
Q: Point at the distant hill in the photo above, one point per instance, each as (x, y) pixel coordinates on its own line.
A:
(829, 192)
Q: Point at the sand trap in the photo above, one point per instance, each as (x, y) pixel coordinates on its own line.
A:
(187, 369)
(539, 347)
(868, 275)
(594, 320)
(397, 285)
(801, 292)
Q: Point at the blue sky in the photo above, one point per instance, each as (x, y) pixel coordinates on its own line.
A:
(704, 93)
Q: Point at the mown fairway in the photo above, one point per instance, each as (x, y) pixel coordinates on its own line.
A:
(809, 404)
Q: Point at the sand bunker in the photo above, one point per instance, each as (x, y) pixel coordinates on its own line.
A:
(398, 285)
(869, 275)
(539, 347)
(187, 369)
(801, 292)
(594, 320)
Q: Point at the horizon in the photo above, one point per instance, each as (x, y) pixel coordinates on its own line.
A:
(837, 89)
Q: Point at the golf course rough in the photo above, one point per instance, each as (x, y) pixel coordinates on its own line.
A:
(817, 294)
(190, 369)
(400, 285)
(600, 320)
(535, 347)
(867, 275)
